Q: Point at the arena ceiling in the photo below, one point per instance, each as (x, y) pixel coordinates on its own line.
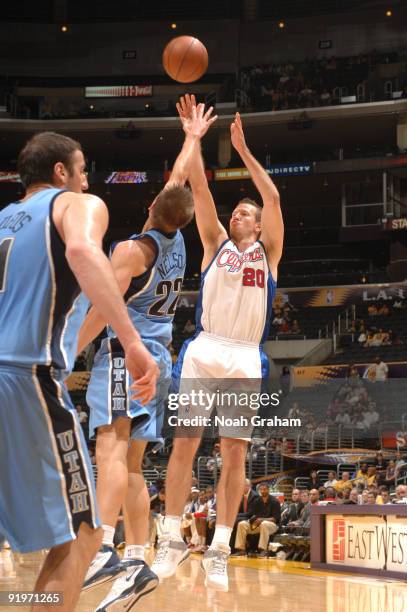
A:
(77, 11)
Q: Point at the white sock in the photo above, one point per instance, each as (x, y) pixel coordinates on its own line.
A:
(172, 525)
(221, 536)
(108, 535)
(134, 551)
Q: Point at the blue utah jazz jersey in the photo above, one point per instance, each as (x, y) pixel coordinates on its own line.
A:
(41, 307)
(152, 297)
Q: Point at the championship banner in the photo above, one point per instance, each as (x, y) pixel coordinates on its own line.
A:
(374, 542)
(130, 177)
(397, 224)
(119, 91)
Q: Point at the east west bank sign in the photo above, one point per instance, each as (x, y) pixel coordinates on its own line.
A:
(373, 542)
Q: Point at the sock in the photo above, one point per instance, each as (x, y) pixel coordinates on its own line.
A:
(221, 536)
(108, 535)
(172, 525)
(134, 551)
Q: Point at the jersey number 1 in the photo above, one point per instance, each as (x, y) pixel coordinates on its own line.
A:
(253, 278)
(5, 250)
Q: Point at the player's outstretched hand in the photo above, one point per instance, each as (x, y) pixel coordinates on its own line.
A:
(195, 121)
(237, 135)
(199, 122)
(144, 372)
(184, 106)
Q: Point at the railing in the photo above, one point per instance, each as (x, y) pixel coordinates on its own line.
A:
(363, 214)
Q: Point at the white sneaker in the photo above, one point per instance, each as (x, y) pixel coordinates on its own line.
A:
(170, 553)
(137, 582)
(215, 562)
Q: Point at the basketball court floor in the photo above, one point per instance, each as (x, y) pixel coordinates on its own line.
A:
(255, 586)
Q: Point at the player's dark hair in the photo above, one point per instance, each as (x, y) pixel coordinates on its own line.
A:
(37, 160)
(256, 206)
(174, 208)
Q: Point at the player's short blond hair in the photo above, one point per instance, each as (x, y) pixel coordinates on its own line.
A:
(173, 208)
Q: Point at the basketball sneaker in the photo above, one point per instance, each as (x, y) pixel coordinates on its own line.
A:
(138, 581)
(105, 567)
(214, 563)
(171, 552)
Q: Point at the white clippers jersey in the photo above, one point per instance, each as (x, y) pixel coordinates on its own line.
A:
(236, 296)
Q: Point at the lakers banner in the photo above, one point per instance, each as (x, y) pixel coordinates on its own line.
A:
(324, 296)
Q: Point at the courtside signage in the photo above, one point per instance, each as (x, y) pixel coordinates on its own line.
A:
(373, 542)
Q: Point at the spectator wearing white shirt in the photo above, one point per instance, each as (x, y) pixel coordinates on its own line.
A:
(332, 480)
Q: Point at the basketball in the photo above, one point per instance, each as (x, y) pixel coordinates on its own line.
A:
(185, 59)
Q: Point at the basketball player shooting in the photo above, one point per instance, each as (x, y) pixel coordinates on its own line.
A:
(238, 282)
(149, 268)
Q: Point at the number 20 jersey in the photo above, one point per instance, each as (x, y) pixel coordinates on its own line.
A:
(237, 292)
(152, 297)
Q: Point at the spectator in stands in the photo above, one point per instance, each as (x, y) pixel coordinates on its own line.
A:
(216, 461)
(332, 480)
(400, 460)
(382, 370)
(364, 496)
(390, 474)
(353, 497)
(329, 496)
(285, 380)
(295, 327)
(380, 462)
(343, 418)
(378, 338)
(372, 310)
(401, 493)
(371, 497)
(383, 311)
(278, 319)
(361, 475)
(83, 417)
(246, 508)
(187, 523)
(344, 483)
(265, 521)
(189, 327)
(371, 476)
(369, 340)
(305, 496)
(371, 416)
(157, 513)
(315, 481)
(293, 510)
(362, 339)
(383, 496)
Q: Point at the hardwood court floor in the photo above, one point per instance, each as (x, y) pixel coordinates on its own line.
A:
(255, 586)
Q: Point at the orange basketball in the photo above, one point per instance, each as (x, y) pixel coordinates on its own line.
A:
(185, 59)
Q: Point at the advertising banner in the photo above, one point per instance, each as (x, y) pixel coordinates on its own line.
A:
(374, 542)
(119, 91)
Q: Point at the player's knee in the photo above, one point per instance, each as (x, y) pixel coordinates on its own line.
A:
(184, 449)
(233, 454)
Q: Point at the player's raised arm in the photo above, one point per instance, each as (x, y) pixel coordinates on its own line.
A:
(82, 225)
(272, 225)
(210, 229)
